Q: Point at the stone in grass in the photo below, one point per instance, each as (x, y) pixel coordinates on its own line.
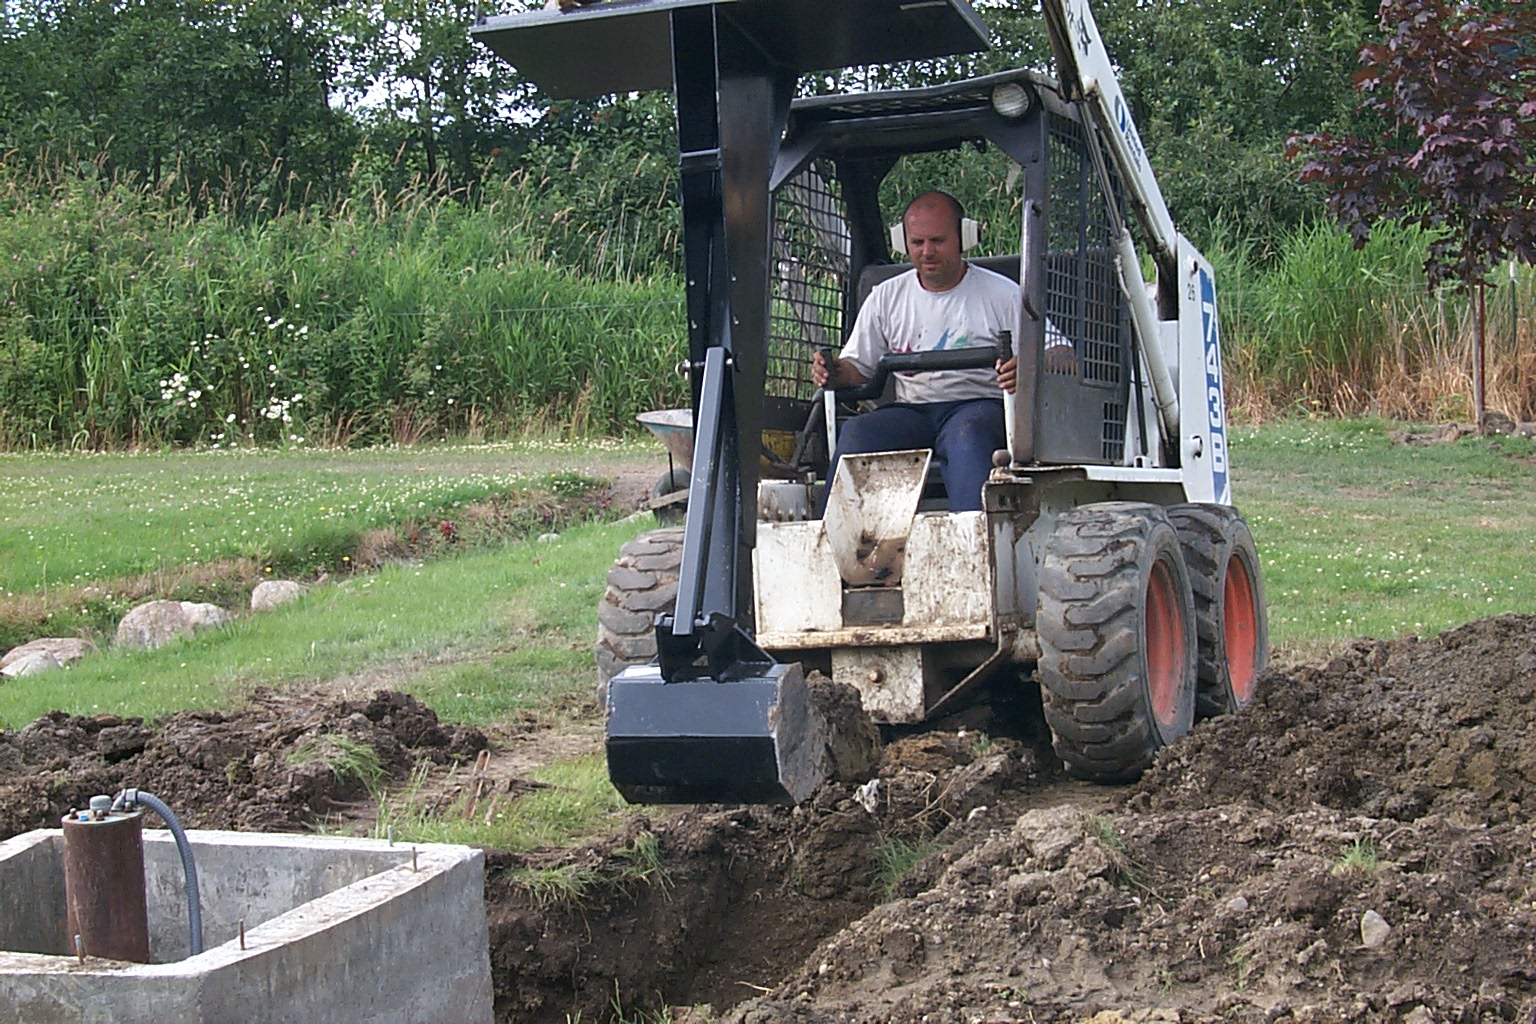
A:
(1374, 930)
(31, 665)
(155, 623)
(63, 649)
(269, 594)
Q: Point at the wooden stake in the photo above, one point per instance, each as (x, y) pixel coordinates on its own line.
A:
(477, 782)
(1479, 403)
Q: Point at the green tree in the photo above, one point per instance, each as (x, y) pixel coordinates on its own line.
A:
(206, 96)
(435, 93)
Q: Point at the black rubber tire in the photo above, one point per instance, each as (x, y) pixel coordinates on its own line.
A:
(1093, 623)
(670, 482)
(1213, 535)
(641, 585)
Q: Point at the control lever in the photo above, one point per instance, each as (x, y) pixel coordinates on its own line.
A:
(980, 357)
(829, 400)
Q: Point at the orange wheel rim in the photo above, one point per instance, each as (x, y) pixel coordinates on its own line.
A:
(1165, 646)
(1240, 630)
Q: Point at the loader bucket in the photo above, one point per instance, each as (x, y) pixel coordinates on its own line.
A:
(751, 740)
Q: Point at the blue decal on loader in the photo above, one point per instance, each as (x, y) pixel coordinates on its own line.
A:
(1215, 401)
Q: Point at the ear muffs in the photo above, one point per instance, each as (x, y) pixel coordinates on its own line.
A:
(970, 235)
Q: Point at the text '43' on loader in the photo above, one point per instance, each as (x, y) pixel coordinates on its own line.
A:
(1107, 565)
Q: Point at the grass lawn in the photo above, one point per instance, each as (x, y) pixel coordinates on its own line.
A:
(1363, 537)
(73, 519)
(479, 637)
(1359, 537)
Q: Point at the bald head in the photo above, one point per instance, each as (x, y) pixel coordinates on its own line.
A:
(932, 225)
(941, 202)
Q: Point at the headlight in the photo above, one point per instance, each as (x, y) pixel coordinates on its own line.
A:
(1010, 99)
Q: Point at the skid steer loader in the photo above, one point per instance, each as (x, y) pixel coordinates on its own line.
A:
(1108, 565)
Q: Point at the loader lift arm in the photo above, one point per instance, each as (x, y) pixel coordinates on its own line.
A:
(716, 718)
(1087, 77)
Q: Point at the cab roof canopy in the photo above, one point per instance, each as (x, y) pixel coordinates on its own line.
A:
(626, 45)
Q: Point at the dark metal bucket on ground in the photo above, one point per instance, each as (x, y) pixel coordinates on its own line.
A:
(751, 740)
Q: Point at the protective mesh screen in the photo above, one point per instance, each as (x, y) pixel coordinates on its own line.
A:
(811, 248)
(1082, 299)
(1114, 432)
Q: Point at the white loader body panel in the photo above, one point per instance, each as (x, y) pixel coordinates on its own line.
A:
(1202, 394)
(947, 586)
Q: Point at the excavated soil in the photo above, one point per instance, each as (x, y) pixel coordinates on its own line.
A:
(1357, 846)
(283, 762)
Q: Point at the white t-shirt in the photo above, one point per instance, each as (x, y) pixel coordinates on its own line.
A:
(901, 315)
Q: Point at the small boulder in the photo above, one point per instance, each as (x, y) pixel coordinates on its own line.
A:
(31, 664)
(206, 616)
(155, 623)
(1374, 930)
(1238, 904)
(1051, 833)
(269, 594)
(63, 650)
(1495, 422)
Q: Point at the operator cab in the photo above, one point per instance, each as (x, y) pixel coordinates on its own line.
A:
(831, 246)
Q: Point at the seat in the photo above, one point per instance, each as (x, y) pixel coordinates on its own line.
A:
(934, 498)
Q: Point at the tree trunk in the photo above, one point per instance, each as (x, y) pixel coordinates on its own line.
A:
(1479, 396)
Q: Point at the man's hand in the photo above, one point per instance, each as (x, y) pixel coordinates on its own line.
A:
(1008, 374)
(841, 374)
(820, 370)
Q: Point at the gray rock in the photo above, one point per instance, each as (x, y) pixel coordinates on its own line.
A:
(119, 742)
(155, 623)
(204, 616)
(1419, 1015)
(1237, 904)
(63, 649)
(1495, 422)
(1051, 833)
(31, 664)
(269, 594)
(1374, 930)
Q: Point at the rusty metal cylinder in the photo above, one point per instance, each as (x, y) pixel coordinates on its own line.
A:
(104, 885)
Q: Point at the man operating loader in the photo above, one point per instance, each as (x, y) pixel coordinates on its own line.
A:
(942, 303)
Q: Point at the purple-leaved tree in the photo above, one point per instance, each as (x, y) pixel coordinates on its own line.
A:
(1453, 86)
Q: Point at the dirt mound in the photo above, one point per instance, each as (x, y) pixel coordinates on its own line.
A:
(1389, 729)
(282, 762)
(1356, 846)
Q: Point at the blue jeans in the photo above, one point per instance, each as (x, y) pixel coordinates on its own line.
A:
(963, 436)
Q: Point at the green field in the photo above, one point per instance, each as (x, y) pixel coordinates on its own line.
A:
(479, 637)
(1363, 537)
(1359, 536)
(73, 518)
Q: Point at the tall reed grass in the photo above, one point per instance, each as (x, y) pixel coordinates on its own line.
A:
(126, 319)
(130, 317)
(1322, 328)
